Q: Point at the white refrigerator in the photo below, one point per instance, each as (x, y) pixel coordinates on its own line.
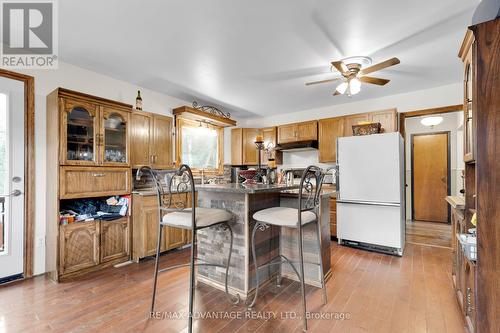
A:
(370, 192)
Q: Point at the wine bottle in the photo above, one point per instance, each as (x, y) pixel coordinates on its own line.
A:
(138, 101)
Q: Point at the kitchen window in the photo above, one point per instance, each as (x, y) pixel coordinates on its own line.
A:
(199, 145)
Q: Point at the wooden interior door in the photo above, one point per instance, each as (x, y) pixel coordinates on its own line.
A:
(430, 176)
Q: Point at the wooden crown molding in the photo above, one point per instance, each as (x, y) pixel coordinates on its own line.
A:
(188, 112)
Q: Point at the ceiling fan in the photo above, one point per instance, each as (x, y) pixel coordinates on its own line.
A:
(354, 70)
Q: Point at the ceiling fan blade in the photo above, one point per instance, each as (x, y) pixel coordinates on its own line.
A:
(322, 81)
(374, 80)
(340, 66)
(379, 66)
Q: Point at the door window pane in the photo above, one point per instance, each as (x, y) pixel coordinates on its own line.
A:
(199, 147)
(3, 166)
(115, 139)
(80, 135)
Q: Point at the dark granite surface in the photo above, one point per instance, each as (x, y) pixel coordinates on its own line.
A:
(241, 188)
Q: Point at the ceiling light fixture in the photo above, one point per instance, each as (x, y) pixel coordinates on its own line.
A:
(431, 121)
(351, 87)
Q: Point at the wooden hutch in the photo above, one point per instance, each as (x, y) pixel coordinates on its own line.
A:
(88, 145)
(476, 281)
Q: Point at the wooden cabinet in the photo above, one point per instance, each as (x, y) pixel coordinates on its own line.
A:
(88, 155)
(114, 237)
(354, 120)
(466, 53)
(86, 245)
(79, 247)
(304, 131)
(333, 217)
(329, 130)
(243, 149)
(84, 182)
(151, 140)
(162, 142)
(93, 134)
(270, 135)
(470, 295)
(287, 133)
(387, 118)
(140, 136)
(307, 131)
(145, 227)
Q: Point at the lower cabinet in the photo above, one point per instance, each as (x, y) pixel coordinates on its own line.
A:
(79, 247)
(114, 240)
(145, 222)
(333, 217)
(463, 272)
(84, 246)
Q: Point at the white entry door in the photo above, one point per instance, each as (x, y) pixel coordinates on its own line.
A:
(11, 178)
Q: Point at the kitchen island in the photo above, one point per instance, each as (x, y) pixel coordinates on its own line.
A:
(243, 201)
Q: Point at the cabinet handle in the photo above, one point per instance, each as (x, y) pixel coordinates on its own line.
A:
(98, 175)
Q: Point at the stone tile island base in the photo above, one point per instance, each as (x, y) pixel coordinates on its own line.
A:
(213, 243)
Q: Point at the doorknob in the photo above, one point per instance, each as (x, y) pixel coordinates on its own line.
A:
(443, 179)
(14, 193)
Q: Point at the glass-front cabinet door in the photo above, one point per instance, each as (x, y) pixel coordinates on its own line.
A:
(79, 140)
(114, 145)
(468, 110)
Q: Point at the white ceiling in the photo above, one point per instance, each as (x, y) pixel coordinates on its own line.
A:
(253, 57)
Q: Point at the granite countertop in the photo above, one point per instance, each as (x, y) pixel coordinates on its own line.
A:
(241, 188)
(324, 192)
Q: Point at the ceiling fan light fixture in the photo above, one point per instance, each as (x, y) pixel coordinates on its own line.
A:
(431, 121)
(341, 88)
(354, 86)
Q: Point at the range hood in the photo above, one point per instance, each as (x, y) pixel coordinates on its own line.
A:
(298, 146)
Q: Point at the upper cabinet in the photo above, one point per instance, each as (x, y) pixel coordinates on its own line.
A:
(151, 140)
(115, 137)
(93, 133)
(298, 132)
(80, 133)
(466, 53)
(329, 130)
(243, 149)
(387, 118)
(354, 120)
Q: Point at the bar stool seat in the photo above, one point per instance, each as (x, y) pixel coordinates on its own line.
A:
(284, 216)
(205, 217)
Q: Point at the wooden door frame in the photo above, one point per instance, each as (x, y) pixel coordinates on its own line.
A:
(419, 113)
(448, 170)
(29, 166)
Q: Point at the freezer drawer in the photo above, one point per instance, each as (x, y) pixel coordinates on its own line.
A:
(369, 223)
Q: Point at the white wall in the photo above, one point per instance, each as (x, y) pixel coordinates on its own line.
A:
(451, 122)
(416, 100)
(75, 78)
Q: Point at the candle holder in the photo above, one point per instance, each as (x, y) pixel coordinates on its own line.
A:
(260, 147)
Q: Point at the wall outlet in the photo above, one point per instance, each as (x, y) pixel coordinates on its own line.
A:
(40, 241)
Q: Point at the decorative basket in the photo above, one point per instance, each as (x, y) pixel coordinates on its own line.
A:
(366, 129)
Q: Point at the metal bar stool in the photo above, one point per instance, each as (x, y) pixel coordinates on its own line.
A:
(296, 218)
(174, 213)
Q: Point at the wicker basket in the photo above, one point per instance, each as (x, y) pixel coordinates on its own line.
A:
(366, 129)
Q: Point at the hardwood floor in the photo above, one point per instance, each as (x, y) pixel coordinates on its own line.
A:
(428, 233)
(377, 292)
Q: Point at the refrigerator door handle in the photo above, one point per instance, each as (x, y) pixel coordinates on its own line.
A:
(373, 203)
